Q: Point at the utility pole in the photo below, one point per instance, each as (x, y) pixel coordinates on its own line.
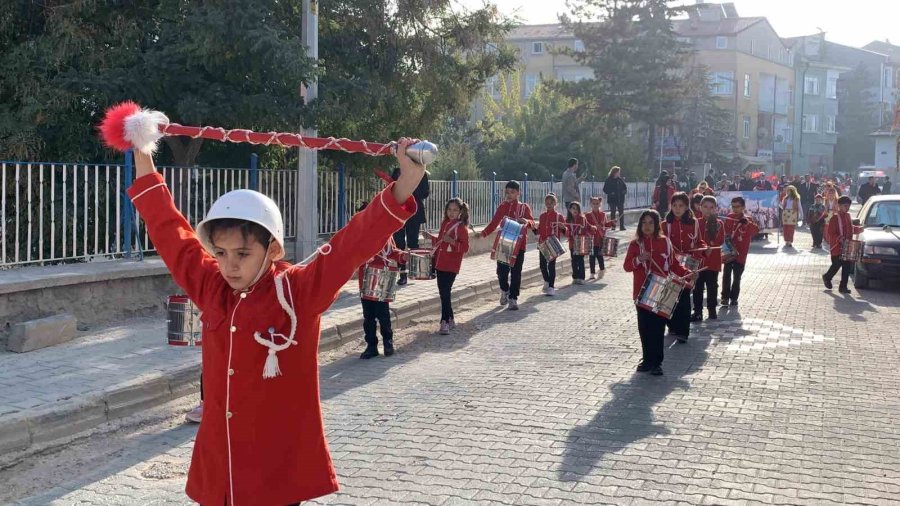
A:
(306, 190)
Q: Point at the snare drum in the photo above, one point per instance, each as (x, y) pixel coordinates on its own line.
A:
(790, 217)
(687, 261)
(183, 327)
(504, 250)
(728, 251)
(610, 247)
(551, 249)
(851, 250)
(582, 245)
(420, 264)
(379, 284)
(660, 295)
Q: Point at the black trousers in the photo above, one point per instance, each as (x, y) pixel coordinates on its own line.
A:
(548, 270)
(680, 323)
(708, 280)
(846, 267)
(577, 265)
(445, 286)
(818, 231)
(377, 313)
(597, 256)
(652, 329)
(510, 278)
(614, 206)
(408, 236)
(731, 281)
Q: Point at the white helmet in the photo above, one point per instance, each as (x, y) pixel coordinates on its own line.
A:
(246, 205)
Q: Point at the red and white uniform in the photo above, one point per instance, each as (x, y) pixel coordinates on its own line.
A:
(389, 256)
(713, 260)
(448, 257)
(840, 227)
(513, 210)
(579, 226)
(261, 441)
(551, 223)
(662, 261)
(741, 234)
(598, 220)
(685, 237)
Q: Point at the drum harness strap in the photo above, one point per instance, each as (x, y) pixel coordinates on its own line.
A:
(440, 238)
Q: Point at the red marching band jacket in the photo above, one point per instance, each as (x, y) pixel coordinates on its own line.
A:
(389, 257)
(513, 210)
(662, 261)
(685, 238)
(713, 260)
(579, 226)
(599, 221)
(261, 441)
(741, 234)
(551, 223)
(448, 257)
(840, 228)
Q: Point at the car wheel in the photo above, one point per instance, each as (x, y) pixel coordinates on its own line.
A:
(860, 279)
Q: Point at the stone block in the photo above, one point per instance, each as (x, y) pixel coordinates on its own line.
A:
(14, 435)
(67, 419)
(41, 333)
(130, 399)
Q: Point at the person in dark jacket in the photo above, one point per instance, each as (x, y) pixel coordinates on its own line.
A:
(407, 238)
(615, 189)
(886, 187)
(868, 191)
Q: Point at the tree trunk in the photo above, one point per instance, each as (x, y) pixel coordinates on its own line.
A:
(651, 148)
(184, 154)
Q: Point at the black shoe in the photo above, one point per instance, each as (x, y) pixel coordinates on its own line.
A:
(843, 289)
(371, 352)
(657, 371)
(642, 367)
(827, 282)
(388, 347)
(733, 303)
(681, 339)
(697, 317)
(621, 229)
(403, 279)
(724, 302)
(712, 314)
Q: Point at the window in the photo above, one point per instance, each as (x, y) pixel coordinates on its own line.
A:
(747, 127)
(752, 47)
(537, 48)
(574, 75)
(492, 87)
(531, 83)
(788, 135)
(811, 86)
(721, 42)
(829, 124)
(578, 46)
(831, 87)
(721, 83)
(888, 78)
(746, 85)
(629, 130)
(810, 123)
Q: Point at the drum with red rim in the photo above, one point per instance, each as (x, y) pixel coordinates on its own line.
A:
(183, 327)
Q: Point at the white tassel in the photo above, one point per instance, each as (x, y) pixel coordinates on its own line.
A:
(271, 369)
(142, 129)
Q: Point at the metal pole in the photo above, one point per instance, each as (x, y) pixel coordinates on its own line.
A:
(128, 211)
(453, 192)
(342, 199)
(307, 182)
(494, 191)
(254, 172)
(662, 140)
(525, 189)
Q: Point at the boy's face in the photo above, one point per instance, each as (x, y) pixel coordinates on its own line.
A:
(844, 208)
(820, 200)
(512, 194)
(737, 208)
(240, 259)
(550, 204)
(709, 209)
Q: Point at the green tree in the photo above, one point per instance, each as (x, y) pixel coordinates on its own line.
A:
(704, 126)
(857, 119)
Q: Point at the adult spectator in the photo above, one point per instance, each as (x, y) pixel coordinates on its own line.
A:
(886, 187)
(615, 189)
(711, 178)
(408, 236)
(746, 184)
(571, 185)
(868, 190)
(808, 190)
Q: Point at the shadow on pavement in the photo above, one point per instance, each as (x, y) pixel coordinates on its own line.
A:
(852, 307)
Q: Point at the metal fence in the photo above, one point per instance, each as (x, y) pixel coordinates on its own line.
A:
(69, 212)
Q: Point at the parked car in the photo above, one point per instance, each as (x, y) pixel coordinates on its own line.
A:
(880, 218)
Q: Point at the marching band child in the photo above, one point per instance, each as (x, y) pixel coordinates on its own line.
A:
(597, 219)
(683, 231)
(550, 223)
(261, 320)
(650, 252)
(831, 200)
(578, 226)
(450, 245)
(510, 278)
(713, 232)
(696, 200)
(815, 216)
(377, 313)
(840, 229)
(791, 202)
(740, 230)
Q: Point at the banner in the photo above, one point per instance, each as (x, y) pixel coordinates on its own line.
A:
(762, 206)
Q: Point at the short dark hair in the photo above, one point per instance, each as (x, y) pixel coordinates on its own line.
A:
(739, 200)
(246, 228)
(513, 184)
(845, 200)
(573, 162)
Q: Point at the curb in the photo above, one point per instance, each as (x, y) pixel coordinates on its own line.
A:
(49, 427)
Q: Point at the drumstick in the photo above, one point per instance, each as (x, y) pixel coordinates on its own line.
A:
(704, 249)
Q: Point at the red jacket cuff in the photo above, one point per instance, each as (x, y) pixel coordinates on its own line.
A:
(144, 183)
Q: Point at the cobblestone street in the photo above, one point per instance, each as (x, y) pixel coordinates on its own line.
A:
(791, 398)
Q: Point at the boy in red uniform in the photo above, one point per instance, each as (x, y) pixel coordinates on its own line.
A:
(597, 219)
(840, 229)
(450, 245)
(510, 277)
(683, 231)
(740, 229)
(550, 223)
(578, 226)
(261, 440)
(713, 232)
(377, 313)
(650, 252)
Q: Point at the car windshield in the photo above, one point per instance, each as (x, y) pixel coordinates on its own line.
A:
(884, 213)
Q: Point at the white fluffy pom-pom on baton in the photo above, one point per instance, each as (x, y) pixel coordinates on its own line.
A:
(142, 130)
